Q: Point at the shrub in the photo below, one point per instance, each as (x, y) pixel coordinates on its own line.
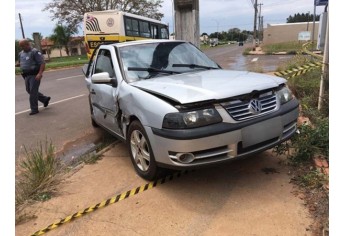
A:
(312, 139)
(39, 173)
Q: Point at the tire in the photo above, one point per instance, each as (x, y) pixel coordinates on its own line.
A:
(140, 152)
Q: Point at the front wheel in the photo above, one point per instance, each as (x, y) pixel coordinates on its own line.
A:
(141, 152)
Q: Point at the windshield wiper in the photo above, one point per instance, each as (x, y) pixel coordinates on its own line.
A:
(192, 66)
(152, 69)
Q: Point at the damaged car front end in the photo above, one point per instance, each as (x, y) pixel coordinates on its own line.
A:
(176, 108)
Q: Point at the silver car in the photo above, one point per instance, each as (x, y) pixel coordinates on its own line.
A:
(176, 108)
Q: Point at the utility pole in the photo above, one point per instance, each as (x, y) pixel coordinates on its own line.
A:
(312, 34)
(173, 17)
(260, 4)
(21, 25)
(325, 67)
(261, 28)
(308, 20)
(255, 19)
(260, 22)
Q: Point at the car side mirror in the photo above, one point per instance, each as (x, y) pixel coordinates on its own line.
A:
(104, 78)
(101, 78)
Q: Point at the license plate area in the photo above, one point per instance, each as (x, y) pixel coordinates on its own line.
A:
(261, 132)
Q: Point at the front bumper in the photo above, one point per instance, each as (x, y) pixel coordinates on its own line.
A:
(224, 141)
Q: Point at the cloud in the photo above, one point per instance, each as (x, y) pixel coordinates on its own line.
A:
(226, 14)
(33, 18)
(215, 15)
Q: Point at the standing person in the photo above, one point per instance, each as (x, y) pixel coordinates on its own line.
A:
(32, 65)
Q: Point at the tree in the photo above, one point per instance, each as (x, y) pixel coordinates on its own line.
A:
(304, 17)
(71, 12)
(62, 36)
(213, 35)
(17, 49)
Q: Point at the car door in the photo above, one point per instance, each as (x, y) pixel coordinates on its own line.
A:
(103, 96)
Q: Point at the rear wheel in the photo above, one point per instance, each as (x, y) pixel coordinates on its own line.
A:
(141, 152)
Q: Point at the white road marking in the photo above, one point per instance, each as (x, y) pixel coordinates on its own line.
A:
(255, 59)
(284, 57)
(63, 100)
(70, 77)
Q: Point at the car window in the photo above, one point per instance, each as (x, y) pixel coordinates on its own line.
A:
(161, 56)
(104, 63)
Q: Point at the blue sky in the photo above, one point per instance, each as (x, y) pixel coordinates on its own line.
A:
(214, 14)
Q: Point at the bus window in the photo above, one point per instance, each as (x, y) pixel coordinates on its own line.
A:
(132, 27)
(164, 33)
(154, 31)
(135, 27)
(144, 29)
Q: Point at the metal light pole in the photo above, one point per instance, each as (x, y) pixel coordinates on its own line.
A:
(173, 17)
(21, 25)
(255, 18)
(308, 20)
(312, 34)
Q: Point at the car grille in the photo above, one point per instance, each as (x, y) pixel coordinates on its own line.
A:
(239, 110)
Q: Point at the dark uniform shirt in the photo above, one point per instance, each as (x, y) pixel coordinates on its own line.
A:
(31, 61)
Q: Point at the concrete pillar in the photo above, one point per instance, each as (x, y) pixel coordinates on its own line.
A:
(187, 26)
(37, 41)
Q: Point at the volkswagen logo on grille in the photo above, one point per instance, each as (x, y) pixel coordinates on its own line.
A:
(254, 106)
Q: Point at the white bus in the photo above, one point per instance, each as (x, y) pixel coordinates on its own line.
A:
(117, 26)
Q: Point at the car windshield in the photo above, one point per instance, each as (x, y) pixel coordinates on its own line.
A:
(145, 61)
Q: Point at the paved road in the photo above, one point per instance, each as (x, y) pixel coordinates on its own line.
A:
(66, 118)
(231, 57)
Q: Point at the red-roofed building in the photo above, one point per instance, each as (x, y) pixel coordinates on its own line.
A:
(75, 47)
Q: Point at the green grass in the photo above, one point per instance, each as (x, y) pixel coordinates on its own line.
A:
(288, 47)
(67, 59)
(59, 62)
(246, 51)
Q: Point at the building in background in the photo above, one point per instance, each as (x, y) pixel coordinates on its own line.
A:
(288, 32)
(76, 47)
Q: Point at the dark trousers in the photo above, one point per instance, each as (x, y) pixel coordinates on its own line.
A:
(32, 86)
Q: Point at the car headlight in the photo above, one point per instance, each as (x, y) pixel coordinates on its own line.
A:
(284, 95)
(191, 119)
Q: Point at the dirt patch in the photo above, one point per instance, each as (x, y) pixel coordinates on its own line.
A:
(315, 196)
(246, 197)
